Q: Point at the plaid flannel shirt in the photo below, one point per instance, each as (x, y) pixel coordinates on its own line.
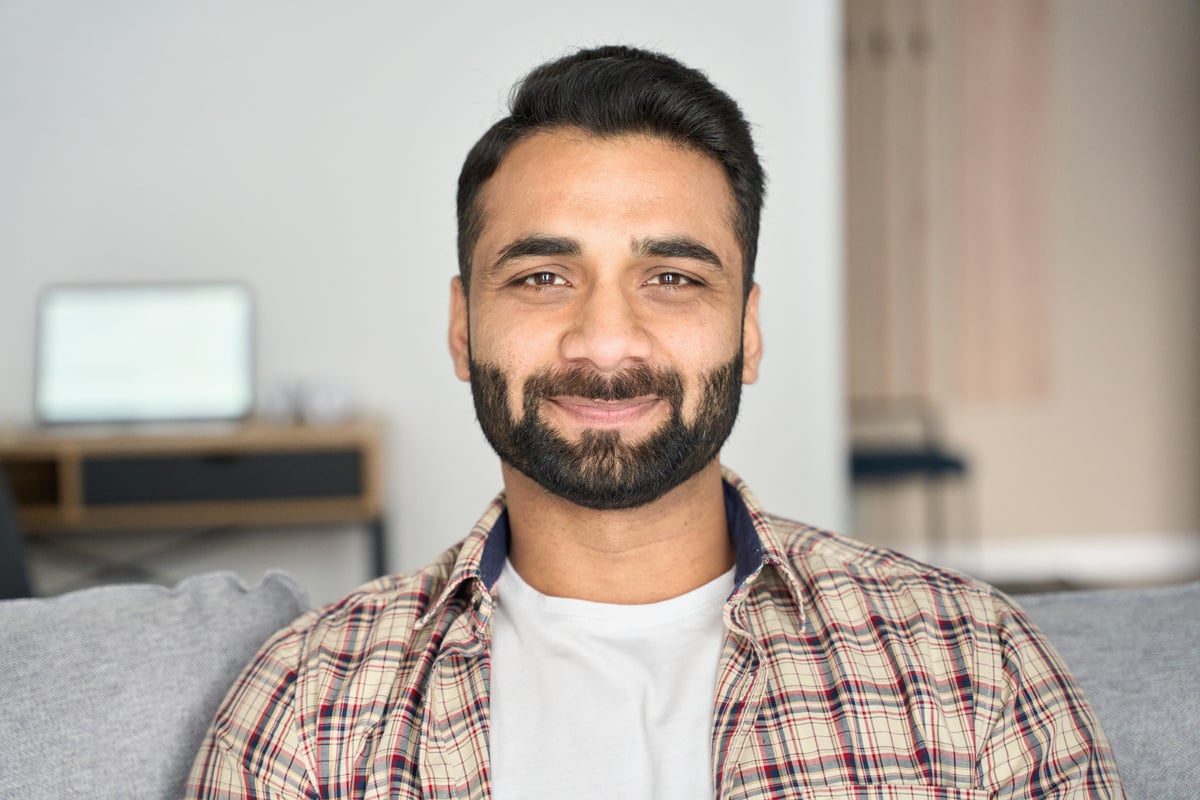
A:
(847, 672)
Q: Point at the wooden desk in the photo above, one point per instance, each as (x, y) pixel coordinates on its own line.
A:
(185, 476)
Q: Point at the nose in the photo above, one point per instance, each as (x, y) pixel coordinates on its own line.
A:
(607, 331)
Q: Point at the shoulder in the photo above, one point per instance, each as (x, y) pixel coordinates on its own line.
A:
(840, 578)
(936, 622)
(818, 553)
(385, 610)
(880, 619)
(378, 628)
(858, 595)
(334, 655)
(833, 577)
(317, 688)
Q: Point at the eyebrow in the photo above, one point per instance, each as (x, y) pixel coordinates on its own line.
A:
(677, 247)
(537, 245)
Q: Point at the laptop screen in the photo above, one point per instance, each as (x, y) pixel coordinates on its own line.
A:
(144, 352)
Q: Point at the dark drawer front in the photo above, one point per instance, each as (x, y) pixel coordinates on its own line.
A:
(260, 476)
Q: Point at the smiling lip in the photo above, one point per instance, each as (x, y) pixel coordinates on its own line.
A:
(606, 413)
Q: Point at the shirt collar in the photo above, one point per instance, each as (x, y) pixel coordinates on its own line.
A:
(479, 563)
(756, 546)
(483, 553)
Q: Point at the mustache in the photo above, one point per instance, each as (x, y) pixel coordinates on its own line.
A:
(636, 381)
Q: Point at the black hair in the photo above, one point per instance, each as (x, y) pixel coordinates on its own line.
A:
(616, 90)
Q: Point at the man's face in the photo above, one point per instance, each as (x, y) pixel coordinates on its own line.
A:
(606, 340)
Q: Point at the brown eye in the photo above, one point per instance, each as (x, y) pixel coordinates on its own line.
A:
(670, 279)
(543, 279)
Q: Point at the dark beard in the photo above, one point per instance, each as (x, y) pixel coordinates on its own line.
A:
(599, 470)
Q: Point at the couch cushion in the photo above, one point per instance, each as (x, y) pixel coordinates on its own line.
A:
(1136, 653)
(107, 692)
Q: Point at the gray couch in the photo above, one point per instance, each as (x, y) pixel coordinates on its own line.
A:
(106, 693)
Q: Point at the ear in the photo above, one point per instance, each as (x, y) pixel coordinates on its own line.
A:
(460, 332)
(752, 344)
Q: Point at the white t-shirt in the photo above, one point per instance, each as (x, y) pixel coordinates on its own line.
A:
(600, 700)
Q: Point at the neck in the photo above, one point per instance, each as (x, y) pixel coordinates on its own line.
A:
(638, 555)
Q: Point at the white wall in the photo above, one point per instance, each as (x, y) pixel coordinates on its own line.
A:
(312, 149)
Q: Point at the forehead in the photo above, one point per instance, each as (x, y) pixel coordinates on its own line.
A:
(565, 177)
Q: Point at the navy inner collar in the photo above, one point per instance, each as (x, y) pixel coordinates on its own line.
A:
(747, 547)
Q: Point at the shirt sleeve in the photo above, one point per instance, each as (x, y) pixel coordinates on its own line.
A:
(254, 747)
(1045, 740)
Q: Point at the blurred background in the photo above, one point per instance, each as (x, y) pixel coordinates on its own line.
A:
(1023, 279)
(980, 263)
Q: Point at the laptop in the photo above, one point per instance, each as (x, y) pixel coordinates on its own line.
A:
(144, 352)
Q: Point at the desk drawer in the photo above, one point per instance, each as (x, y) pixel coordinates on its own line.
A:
(119, 480)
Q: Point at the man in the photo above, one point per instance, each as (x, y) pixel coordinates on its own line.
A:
(625, 620)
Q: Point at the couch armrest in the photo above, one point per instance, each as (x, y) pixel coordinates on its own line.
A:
(107, 692)
(1136, 653)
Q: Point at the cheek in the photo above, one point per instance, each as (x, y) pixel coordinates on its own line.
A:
(514, 352)
(496, 343)
(698, 357)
